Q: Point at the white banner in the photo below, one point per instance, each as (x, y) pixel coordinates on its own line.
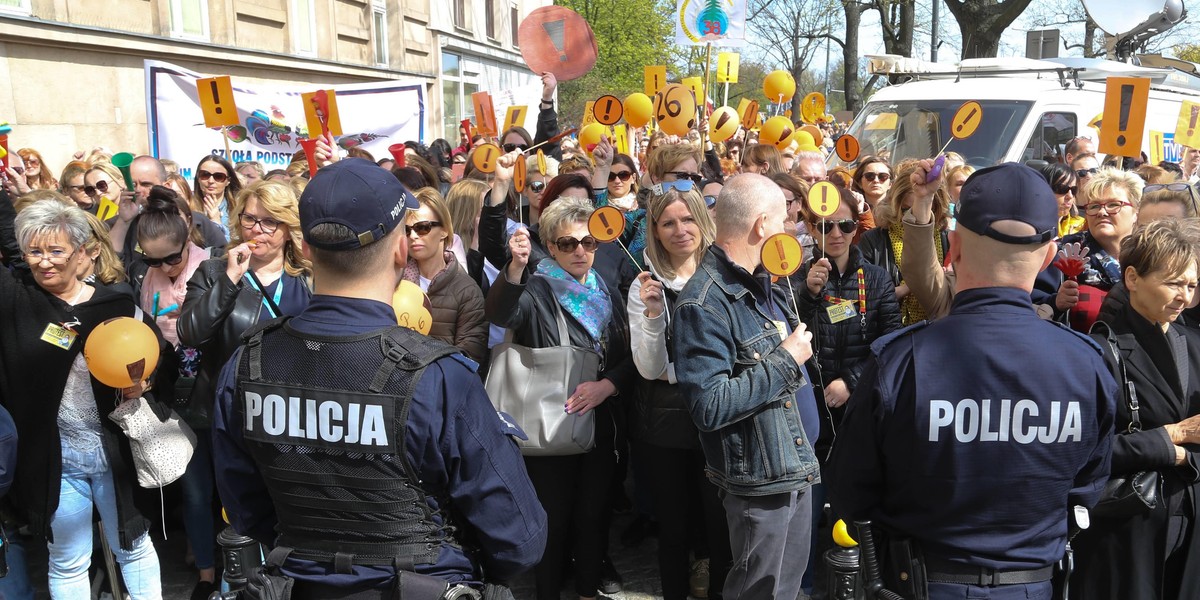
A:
(271, 121)
(721, 22)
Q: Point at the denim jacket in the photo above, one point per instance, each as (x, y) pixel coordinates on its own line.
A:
(740, 385)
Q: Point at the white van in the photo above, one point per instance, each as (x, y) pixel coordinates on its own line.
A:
(1031, 108)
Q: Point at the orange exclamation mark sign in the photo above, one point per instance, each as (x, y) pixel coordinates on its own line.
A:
(782, 253)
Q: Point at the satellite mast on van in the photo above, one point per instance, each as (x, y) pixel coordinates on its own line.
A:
(1134, 22)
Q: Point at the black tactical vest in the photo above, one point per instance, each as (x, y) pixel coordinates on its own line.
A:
(325, 420)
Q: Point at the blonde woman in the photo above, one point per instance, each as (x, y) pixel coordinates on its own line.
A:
(665, 438)
(37, 174)
(884, 245)
(465, 201)
(456, 302)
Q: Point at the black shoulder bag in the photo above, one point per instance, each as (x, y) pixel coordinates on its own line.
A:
(1134, 493)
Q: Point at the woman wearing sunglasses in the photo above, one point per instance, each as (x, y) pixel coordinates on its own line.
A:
(1167, 201)
(37, 174)
(1111, 212)
(573, 489)
(762, 159)
(216, 186)
(456, 302)
(873, 178)
(1064, 185)
(622, 183)
(884, 245)
(666, 441)
(172, 252)
(847, 303)
(101, 181)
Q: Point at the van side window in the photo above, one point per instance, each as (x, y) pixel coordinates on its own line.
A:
(1050, 137)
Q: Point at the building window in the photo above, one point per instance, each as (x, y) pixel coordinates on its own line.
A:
(489, 18)
(189, 18)
(17, 7)
(458, 83)
(304, 30)
(379, 23)
(460, 13)
(515, 18)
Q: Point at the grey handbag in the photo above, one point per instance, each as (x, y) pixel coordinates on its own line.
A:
(532, 385)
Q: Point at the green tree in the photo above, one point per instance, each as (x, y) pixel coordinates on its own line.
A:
(1188, 52)
(630, 35)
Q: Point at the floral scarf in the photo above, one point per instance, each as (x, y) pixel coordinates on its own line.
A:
(588, 302)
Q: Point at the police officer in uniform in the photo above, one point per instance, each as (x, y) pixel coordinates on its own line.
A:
(969, 440)
(368, 455)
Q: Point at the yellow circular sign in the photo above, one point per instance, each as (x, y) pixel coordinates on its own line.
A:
(606, 223)
(966, 120)
(782, 254)
(485, 156)
(824, 199)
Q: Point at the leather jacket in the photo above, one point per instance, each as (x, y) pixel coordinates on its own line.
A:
(215, 314)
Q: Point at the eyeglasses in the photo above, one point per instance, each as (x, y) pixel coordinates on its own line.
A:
(170, 260)
(623, 175)
(511, 147)
(790, 198)
(217, 177)
(694, 177)
(567, 243)
(76, 188)
(813, 179)
(32, 162)
(734, 151)
(882, 177)
(1111, 208)
(101, 186)
(421, 227)
(1061, 189)
(56, 257)
(267, 226)
(710, 201)
(1084, 173)
(1173, 187)
(537, 186)
(846, 225)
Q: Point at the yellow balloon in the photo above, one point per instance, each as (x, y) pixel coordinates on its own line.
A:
(841, 535)
(639, 108)
(675, 109)
(408, 301)
(590, 135)
(723, 124)
(779, 86)
(121, 352)
(419, 320)
(777, 131)
(805, 141)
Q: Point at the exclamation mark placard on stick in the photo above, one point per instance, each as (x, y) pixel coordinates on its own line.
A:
(1125, 101)
(216, 100)
(321, 113)
(727, 67)
(824, 199)
(485, 115)
(1187, 130)
(606, 224)
(655, 79)
(557, 40)
(514, 116)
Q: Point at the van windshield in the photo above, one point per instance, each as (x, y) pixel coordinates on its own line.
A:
(919, 128)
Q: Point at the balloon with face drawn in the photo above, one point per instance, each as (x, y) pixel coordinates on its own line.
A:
(777, 131)
(675, 109)
(723, 124)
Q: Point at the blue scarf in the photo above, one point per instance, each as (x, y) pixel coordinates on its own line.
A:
(588, 302)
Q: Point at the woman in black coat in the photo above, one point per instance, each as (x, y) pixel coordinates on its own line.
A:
(573, 489)
(847, 303)
(1155, 553)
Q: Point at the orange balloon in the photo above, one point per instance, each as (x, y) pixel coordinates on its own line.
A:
(409, 301)
(723, 124)
(121, 352)
(639, 108)
(675, 109)
(777, 131)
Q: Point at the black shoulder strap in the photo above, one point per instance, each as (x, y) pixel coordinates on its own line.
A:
(406, 349)
(254, 338)
(1130, 392)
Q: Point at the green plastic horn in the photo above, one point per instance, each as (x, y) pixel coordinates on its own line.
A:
(122, 162)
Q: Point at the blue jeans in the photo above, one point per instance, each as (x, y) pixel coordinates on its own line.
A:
(71, 551)
(15, 585)
(770, 538)
(197, 484)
